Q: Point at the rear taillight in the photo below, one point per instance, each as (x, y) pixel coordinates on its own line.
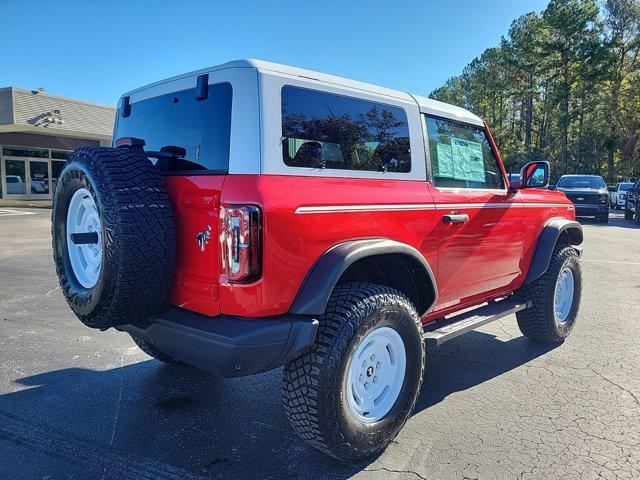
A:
(241, 242)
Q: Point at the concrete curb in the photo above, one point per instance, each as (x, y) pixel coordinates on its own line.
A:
(25, 203)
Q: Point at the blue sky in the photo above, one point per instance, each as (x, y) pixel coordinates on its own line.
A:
(97, 50)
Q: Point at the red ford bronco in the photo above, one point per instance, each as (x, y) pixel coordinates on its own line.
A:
(253, 215)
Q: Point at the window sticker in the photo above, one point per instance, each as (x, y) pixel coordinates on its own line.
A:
(467, 160)
(460, 160)
(446, 168)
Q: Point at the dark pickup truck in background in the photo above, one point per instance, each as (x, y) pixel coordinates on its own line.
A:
(588, 193)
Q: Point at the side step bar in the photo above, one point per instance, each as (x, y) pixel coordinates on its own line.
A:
(440, 331)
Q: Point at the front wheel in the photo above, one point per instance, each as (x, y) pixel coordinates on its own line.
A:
(603, 218)
(628, 215)
(356, 386)
(555, 298)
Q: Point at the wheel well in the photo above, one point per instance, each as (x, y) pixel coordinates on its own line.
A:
(555, 232)
(570, 236)
(395, 270)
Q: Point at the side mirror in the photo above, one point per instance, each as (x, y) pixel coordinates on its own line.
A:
(535, 174)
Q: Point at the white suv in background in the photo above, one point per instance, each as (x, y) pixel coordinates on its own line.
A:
(620, 195)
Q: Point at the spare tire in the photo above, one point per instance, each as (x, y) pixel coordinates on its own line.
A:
(113, 236)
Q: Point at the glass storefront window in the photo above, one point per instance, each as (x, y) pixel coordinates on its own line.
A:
(34, 174)
(39, 177)
(60, 155)
(25, 152)
(16, 177)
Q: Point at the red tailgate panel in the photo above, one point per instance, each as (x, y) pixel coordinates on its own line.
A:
(196, 207)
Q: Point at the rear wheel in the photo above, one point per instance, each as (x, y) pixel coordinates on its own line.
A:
(356, 386)
(555, 297)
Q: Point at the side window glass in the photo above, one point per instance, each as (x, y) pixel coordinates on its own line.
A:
(325, 130)
(461, 156)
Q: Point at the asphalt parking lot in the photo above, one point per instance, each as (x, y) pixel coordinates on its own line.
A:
(83, 404)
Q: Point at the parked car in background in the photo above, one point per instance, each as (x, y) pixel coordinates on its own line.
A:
(631, 207)
(39, 185)
(588, 193)
(612, 194)
(620, 195)
(15, 185)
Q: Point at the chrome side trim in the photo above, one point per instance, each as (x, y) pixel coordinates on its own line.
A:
(421, 206)
(363, 208)
(476, 206)
(550, 205)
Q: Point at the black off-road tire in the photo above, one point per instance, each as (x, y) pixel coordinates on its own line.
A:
(154, 352)
(603, 218)
(539, 321)
(137, 231)
(637, 215)
(628, 215)
(313, 396)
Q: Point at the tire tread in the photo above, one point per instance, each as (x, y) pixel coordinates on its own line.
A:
(303, 397)
(138, 223)
(537, 322)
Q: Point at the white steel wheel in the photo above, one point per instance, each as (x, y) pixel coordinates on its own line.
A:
(84, 238)
(375, 375)
(563, 298)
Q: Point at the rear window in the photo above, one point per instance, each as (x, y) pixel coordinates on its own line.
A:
(581, 182)
(325, 130)
(203, 127)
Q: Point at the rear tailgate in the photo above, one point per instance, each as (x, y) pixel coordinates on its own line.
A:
(196, 207)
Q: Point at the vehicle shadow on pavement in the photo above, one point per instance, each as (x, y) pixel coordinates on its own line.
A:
(471, 360)
(148, 420)
(176, 422)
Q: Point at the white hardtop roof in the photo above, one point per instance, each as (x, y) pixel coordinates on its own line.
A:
(427, 105)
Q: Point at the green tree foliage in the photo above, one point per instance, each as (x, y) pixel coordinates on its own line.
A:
(562, 85)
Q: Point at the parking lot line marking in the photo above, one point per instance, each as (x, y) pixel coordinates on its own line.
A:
(13, 213)
(614, 262)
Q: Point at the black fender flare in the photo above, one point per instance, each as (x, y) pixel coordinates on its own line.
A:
(323, 276)
(547, 241)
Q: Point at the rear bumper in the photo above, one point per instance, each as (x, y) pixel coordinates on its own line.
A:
(228, 346)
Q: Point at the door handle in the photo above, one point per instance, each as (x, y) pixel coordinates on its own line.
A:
(455, 218)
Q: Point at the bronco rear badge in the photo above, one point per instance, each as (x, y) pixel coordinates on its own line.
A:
(203, 237)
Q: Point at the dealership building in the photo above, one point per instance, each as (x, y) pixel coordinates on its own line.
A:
(38, 132)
